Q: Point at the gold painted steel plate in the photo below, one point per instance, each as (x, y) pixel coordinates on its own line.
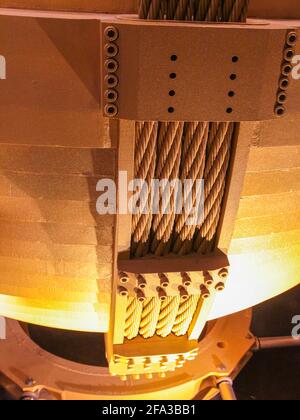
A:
(171, 71)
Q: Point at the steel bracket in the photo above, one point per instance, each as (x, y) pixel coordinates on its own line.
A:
(200, 72)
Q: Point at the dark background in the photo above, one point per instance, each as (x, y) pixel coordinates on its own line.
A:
(273, 374)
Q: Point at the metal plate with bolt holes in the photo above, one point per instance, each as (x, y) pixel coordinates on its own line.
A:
(171, 71)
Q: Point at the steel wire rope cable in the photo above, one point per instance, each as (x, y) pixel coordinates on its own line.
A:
(218, 156)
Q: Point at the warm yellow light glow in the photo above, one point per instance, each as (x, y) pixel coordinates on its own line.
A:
(57, 314)
(257, 277)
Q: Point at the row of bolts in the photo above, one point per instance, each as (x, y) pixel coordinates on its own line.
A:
(141, 284)
(180, 360)
(286, 71)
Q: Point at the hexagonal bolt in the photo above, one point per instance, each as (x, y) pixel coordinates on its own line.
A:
(136, 377)
(162, 375)
(123, 378)
(149, 375)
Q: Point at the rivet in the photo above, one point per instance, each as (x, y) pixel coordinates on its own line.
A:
(123, 378)
(136, 377)
(162, 374)
(149, 375)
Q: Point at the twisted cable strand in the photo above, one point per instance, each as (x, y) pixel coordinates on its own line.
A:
(215, 177)
(169, 153)
(167, 316)
(133, 318)
(235, 10)
(212, 14)
(202, 10)
(154, 9)
(144, 9)
(227, 9)
(149, 319)
(145, 158)
(193, 164)
(215, 187)
(244, 12)
(185, 315)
